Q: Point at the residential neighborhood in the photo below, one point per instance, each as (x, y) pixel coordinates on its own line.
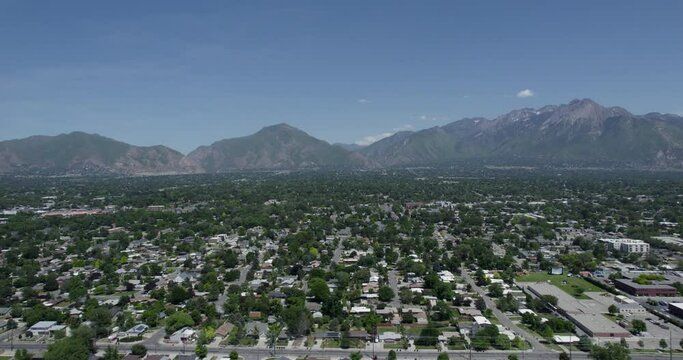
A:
(195, 276)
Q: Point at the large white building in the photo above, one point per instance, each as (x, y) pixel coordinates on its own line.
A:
(627, 245)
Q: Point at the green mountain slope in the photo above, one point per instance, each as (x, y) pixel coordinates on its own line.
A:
(275, 147)
(81, 153)
(581, 132)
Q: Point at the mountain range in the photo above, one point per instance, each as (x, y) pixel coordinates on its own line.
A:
(579, 133)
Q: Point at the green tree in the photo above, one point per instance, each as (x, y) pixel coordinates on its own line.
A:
(177, 321)
(513, 357)
(480, 343)
(429, 336)
(480, 304)
(392, 355)
(663, 344)
(273, 334)
(611, 351)
(85, 334)
(318, 289)
(356, 356)
(101, 319)
(22, 354)
(442, 356)
(495, 290)
(110, 353)
(385, 293)
(585, 343)
(234, 355)
(503, 342)
(613, 309)
(564, 356)
(201, 351)
(71, 348)
(639, 326)
(139, 349)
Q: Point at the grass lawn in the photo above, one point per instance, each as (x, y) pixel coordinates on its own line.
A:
(459, 344)
(554, 346)
(383, 329)
(414, 329)
(524, 346)
(310, 341)
(248, 341)
(531, 331)
(403, 344)
(330, 344)
(353, 344)
(564, 282)
(494, 320)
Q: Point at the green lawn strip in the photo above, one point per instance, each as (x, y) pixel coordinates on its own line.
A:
(397, 345)
(566, 283)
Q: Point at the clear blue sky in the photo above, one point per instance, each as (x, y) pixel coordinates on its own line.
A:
(186, 73)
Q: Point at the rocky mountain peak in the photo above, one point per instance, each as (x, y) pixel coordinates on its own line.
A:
(582, 112)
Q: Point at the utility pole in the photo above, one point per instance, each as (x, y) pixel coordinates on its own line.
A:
(374, 336)
(671, 346)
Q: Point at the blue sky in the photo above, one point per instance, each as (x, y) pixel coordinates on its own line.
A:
(184, 73)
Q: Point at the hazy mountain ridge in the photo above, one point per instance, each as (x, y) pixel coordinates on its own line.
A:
(580, 132)
(274, 147)
(82, 153)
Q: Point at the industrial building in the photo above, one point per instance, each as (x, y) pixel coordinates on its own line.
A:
(583, 316)
(676, 309)
(651, 290)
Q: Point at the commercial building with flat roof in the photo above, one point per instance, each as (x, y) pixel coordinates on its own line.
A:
(627, 245)
(676, 309)
(636, 289)
(597, 325)
(583, 316)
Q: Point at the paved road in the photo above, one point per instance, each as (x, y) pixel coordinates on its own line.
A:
(244, 270)
(393, 283)
(261, 353)
(337, 254)
(152, 342)
(504, 320)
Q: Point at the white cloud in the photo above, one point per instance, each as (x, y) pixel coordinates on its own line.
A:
(404, 127)
(525, 93)
(433, 118)
(367, 140)
(373, 138)
(363, 101)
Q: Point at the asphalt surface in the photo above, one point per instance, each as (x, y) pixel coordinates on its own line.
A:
(393, 283)
(260, 353)
(504, 320)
